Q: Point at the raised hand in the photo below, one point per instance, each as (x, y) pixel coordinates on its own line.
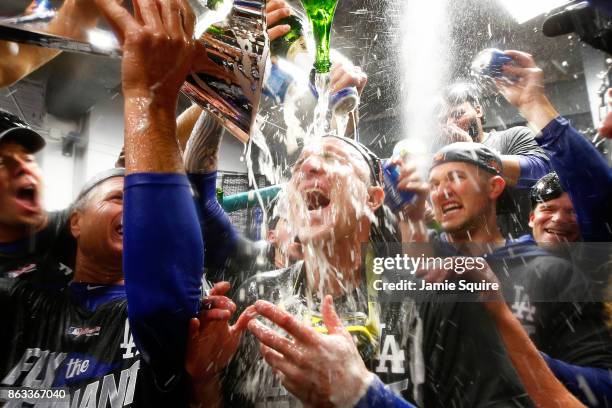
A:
(276, 10)
(344, 74)
(158, 45)
(523, 86)
(212, 342)
(322, 370)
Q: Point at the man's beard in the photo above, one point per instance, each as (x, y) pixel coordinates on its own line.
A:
(464, 227)
(473, 130)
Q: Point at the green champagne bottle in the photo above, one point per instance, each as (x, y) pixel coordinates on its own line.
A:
(283, 46)
(213, 4)
(321, 15)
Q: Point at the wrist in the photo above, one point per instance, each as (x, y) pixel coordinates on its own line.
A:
(538, 112)
(206, 392)
(152, 100)
(363, 385)
(150, 137)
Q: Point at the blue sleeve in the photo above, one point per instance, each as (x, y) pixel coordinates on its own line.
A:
(379, 396)
(163, 264)
(584, 174)
(214, 221)
(532, 169)
(603, 5)
(593, 386)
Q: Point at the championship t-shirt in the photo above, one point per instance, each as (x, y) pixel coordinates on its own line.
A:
(432, 354)
(51, 250)
(54, 342)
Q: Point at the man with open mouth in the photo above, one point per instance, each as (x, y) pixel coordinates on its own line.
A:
(541, 291)
(30, 238)
(553, 219)
(334, 206)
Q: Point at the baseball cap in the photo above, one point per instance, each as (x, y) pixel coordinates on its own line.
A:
(472, 153)
(13, 129)
(545, 189)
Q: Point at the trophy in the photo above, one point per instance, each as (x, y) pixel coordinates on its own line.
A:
(232, 32)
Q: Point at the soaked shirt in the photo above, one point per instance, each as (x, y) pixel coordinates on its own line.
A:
(51, 250)
(548, 296)
(432, 354)
(57, 341)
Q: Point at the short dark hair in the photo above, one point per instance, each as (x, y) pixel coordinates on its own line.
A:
(461, 92)
(545, 189)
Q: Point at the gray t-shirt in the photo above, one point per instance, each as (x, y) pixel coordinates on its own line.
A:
(514, 205)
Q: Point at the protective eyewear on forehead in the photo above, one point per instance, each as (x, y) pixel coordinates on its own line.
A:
(364, 331)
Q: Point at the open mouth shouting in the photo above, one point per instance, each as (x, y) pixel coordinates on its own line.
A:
(26, 195)
(450, 207)
(119, 228)
(316, 199)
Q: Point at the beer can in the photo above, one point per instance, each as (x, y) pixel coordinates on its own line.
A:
(489, 63)
(394, 198)
(344, 101)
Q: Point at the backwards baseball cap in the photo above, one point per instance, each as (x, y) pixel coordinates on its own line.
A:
(13, 129)
(100, 178)
(472, 153)
(545, 189)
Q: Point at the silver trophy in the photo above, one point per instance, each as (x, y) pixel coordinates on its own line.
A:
(233, 33)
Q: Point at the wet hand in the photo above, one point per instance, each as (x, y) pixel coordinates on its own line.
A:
(276, 10)
(525, 90)
(212, 342)
(344, 74)
(452, 133)
(322, 370)
(410, 180)
(158, 46)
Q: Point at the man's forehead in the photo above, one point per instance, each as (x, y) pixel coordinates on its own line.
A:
(562, 201)
(333, 145)
(12, 147)
(453, 107)
(109, 185)
(443, 169)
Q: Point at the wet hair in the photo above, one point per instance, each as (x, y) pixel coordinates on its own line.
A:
(545, 189)
(90, 186)
(386, 230)
(461, 92)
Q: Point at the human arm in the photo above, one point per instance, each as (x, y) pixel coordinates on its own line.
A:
(591, 385)
(542, 385)
(606, 126)
(163, 252)
(19, 60)
(345, 74)
(321, 370)
(412, 217)
(212, 343)
(583, 172)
